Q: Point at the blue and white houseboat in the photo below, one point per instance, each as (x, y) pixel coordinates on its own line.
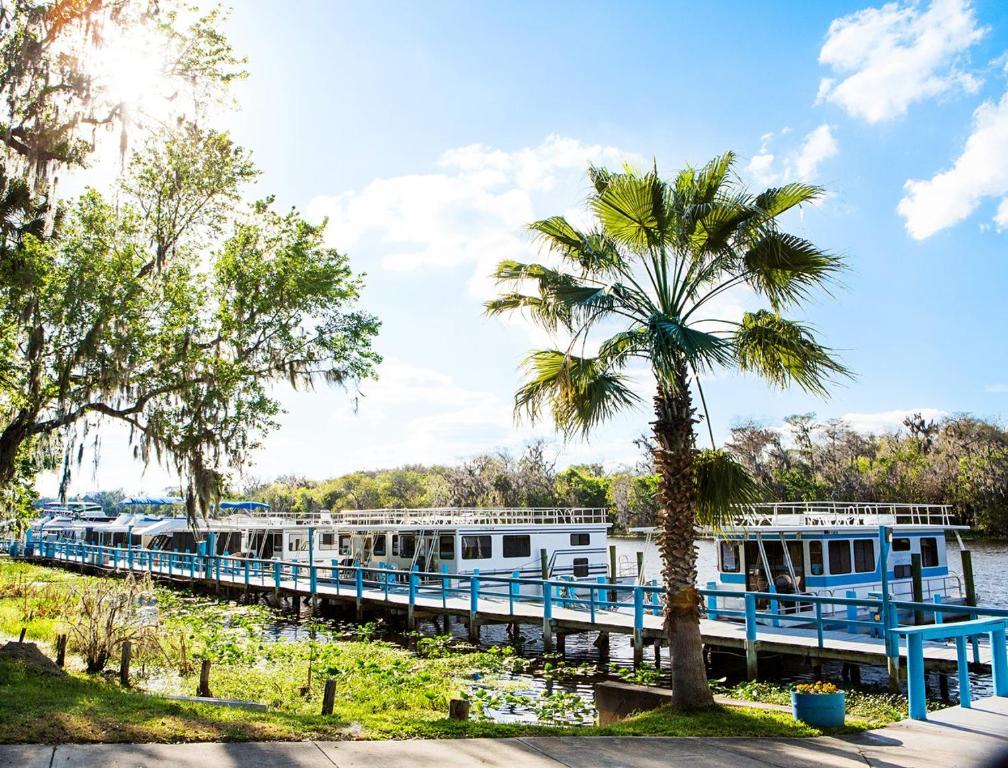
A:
(833, 549)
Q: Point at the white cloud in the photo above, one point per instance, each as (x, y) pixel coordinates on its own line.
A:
(475, 210)
(981, 171)
(885, 59)
(799, 164)
(881, 421)
(996, 388)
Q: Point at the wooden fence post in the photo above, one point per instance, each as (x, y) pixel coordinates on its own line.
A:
(124, 664)
(204, 680)
(61, 644)
(328, 696)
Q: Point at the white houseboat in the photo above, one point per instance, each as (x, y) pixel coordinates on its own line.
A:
(833, 548)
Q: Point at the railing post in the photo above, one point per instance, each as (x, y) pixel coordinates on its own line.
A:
(962, 667)
(413, 579)
(915, 677)
(445, 585)
(712, 612)
(359, 584)
(513, 587)
(247, 567)
(999, 660)
(638, 624)
(474, 590)
(313, 582)
(547, 590)
(750, 634)
(591, 598)
(851, 613)
(891, 643)
(939, 617)
(655, 603)
(192, 566)
(276, 576)
(818, 623)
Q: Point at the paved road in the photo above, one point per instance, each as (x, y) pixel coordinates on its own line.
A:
(953, 738)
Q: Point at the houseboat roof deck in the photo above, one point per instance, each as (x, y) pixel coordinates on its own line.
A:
(433, 517)
(833, 515)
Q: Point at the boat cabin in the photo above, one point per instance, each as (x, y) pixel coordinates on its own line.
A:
(834, 548)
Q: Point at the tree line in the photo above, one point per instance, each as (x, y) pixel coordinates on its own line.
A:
(960, 460)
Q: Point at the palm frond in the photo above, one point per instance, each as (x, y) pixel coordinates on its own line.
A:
(592, 251)
(580, 392)
(783, 351)
(784, 267)
(626, 208)
(776, 200)
(674, 341)
(721, 484)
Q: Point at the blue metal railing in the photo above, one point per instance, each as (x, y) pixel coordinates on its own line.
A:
(759, 611)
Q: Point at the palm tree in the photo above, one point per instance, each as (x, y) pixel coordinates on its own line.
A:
(660, 254)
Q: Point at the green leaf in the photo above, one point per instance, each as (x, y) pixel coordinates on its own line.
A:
(784, 352)
(722, 484)
(581, 392)
(784, 267)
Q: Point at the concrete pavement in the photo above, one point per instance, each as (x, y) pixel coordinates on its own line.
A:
(952, 738)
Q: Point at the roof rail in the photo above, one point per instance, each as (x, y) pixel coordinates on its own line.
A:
(435, 516)
(841, 514)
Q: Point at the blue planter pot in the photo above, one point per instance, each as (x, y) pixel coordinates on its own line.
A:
(820, 710)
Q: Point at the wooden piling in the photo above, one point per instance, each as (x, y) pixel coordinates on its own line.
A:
(943, 689)
(970, 585)
(544, 564)
(458, 709)
(24, 631)
(657, 654)
(561, 644)
(204, 679)
(640, 567)
(61, 644)
(638, 648)
(328, 696)
(602, 643)
(612, 572)
(917, 576)
(751, 661)
(124, 664)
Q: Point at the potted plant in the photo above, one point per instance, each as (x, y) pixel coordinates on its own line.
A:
(818, 704)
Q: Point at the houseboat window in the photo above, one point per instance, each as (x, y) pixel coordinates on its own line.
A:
(379, 545)
(929, 552)
(839, 557)
(864, 555)
(407, 545)
(580, 567)
(298, 543)
(580, 539)
(815, 558)
(476, 547)
(328, 541)
(277, 542)
(729, 557)
(517, 546)
(446, 547)
(344, 544)
(901, 545)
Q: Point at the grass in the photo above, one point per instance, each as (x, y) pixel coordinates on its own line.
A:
(82, 709)
(382, 690)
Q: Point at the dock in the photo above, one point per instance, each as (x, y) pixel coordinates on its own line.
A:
(560, 609)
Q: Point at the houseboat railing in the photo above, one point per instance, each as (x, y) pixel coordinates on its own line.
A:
(841, 514)
(435, 516)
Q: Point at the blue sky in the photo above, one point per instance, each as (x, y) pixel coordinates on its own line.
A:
(430, 133)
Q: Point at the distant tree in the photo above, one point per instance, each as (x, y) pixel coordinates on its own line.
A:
(660, 252)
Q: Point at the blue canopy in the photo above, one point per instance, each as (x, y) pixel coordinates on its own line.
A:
(244, 505)
(152, 501)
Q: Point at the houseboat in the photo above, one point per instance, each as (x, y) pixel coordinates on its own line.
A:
(834, 548)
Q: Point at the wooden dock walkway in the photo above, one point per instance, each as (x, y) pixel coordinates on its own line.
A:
(494, 600)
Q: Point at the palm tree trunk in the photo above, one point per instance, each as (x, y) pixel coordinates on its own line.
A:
(673, 431)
